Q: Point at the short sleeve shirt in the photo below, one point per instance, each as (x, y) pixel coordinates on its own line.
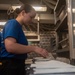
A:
(13, 29)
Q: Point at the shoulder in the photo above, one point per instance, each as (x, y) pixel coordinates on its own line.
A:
(12, 23)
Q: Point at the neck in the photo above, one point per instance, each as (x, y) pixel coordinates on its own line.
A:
(19, 20)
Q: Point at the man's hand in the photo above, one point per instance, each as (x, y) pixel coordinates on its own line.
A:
(41, 51)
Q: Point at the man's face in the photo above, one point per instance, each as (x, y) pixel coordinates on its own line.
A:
(28, 17)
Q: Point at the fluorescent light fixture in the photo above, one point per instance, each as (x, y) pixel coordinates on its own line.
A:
(68, 9)
(38, 18)
(73, 10)
(37, 8)
(40, 8)
(14, 7)
(2, 23)
(74, 32)
(74, 25)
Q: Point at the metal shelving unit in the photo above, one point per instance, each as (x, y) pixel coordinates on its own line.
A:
(63, 23)
(60, 14)
(63, 40)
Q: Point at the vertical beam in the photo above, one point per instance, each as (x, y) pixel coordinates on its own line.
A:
(71, 27)
(38, 22)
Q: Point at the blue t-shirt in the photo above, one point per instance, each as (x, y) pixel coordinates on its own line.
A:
(13, 29)
(0, 44)
(0, 39)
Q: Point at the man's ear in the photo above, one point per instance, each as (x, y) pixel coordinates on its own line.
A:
(23, 13)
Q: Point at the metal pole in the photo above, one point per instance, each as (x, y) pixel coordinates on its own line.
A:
(38, 24)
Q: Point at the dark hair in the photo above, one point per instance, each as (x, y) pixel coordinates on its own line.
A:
(25, 7)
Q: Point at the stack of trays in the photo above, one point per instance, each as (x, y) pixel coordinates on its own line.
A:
(52, 67)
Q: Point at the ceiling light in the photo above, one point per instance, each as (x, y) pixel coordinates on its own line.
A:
(37, 8)
(40, 8)
(14, 7)
(74, 25)
(2, 23)
(73, 10)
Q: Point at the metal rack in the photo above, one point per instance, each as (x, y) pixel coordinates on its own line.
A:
(61, 17)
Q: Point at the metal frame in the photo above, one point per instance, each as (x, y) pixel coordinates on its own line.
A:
(71, 28)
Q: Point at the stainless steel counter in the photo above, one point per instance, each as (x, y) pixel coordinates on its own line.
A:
(51, 67)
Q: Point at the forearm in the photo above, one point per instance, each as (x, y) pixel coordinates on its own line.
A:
(20, 49)
(16, 48)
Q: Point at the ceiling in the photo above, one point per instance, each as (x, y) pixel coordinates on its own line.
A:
(49, 3)
(6, 4)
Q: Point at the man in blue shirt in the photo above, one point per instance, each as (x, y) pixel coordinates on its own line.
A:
(14, 43)
(13, 29)
(0, 44)
(0, 39)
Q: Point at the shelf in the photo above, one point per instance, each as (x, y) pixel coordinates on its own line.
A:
(54, 41)
(61, 16)
(62, 50)
(61, 9)
(63, 40)
(58, 5)
(54, 44)
(63, 24)
(54, 50)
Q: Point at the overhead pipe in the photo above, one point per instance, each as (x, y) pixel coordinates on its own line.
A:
(51, 1)
(49, 5)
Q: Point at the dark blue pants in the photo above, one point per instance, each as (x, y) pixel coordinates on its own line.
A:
(12, 67)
